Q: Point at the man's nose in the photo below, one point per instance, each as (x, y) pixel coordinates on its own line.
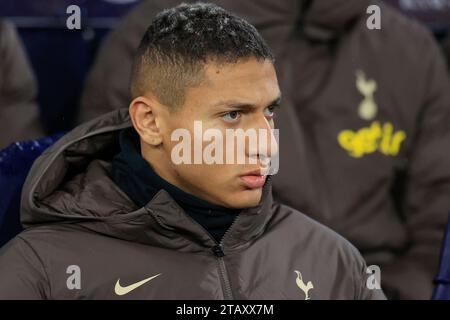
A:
(266, 143)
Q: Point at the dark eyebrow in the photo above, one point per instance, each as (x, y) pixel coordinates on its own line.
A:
(275, 102)
(243, 105)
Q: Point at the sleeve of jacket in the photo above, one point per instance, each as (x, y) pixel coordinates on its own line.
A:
(22, 274)
(426, 198)
(367, 282)
(368, 285)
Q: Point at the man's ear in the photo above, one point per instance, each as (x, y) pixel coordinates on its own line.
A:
(144, 114)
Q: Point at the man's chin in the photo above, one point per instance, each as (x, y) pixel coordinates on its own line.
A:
(245, 199)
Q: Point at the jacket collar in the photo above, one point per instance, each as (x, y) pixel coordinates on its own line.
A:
(249, 224)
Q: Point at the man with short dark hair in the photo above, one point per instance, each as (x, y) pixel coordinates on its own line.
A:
(111, 212)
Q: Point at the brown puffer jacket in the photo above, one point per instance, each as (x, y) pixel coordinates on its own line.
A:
(79, 223)
(364, 126)
(19, 114)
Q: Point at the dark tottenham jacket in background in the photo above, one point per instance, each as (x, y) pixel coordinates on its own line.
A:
(78, 222)
(364, 125)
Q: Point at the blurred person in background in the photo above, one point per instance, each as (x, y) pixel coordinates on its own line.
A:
(19, 113)
(364, 126)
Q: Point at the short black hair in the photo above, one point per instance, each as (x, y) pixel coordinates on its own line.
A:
(181, 40)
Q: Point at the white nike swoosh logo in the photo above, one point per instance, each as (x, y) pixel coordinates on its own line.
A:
(120, 291)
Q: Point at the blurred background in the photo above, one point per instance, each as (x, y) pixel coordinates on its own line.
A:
(61, 58)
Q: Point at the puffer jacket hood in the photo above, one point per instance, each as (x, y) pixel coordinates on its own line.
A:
(49, 194)
(330, 16)
(326, 20)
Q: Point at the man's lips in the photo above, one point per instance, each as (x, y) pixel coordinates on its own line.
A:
(254, 179)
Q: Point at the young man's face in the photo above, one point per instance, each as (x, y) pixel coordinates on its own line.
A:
(233, 96)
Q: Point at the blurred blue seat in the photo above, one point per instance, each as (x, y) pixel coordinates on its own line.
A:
(442, 280)
(15, 162)
(61, 57)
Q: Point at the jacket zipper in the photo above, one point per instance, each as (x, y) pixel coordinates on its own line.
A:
(218, 252)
